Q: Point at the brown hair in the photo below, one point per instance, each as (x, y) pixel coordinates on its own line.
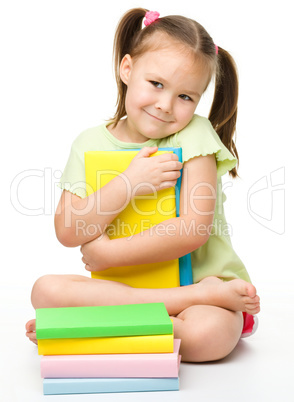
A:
(131, 39)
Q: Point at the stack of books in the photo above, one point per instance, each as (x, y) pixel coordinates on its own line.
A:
(102, 349)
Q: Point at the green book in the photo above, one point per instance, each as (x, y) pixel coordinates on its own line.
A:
(103, 321)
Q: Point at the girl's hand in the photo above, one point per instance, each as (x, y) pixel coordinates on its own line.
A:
(147, 175)
(96, 254)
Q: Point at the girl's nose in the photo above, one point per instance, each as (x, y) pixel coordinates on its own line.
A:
(165, 104)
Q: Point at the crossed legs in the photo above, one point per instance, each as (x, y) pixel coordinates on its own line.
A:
(207, 316)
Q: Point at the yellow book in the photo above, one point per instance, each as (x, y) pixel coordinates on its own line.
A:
(112, 345)
(141, 214)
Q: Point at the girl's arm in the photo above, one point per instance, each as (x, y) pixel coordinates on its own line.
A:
(80, 220)
(172, 238)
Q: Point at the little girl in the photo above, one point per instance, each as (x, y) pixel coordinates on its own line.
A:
(162, 70)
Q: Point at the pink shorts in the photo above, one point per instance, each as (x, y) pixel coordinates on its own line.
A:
(250, 325)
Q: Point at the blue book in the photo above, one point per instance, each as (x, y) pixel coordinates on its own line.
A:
(59, 386)
(185, 265)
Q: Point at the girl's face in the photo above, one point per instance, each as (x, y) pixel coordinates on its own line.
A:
(164, 87)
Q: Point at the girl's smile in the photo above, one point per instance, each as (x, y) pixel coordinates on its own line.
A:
(157, 118)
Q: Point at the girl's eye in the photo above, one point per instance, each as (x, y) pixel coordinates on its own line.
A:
(185, 97)
(157, 84)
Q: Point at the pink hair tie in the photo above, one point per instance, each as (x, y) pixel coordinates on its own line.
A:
(150, 17)
(216, 49)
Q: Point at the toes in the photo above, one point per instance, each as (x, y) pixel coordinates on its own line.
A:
(251, 290)
(252, 308)
(31, 335)
(249, 300)
(34, 341)
(256, 299)
(243, 288)
(31, 325)
(31, 331)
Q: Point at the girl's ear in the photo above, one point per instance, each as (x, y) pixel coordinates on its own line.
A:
(125, 68)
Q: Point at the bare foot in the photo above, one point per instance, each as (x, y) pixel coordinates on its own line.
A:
(31, 331)
(235, 295)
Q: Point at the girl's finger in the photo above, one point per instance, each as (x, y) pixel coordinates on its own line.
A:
(170, 176)
(167, 184)
(171, 166)
(145, 152)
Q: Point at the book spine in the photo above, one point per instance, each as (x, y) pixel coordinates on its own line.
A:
(107, 385)
(185, 264)
(83, 346)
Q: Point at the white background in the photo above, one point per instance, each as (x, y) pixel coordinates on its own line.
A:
(57, 80)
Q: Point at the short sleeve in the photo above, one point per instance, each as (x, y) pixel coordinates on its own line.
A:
(73, 177)
(199, 138)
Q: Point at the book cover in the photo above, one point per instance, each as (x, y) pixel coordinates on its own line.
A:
(103, 321)
(141, 214)
(113, 366)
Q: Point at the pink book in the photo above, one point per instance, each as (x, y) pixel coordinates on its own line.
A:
(113, 366)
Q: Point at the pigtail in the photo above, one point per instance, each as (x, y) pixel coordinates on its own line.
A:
(128, 28)
(223, 112)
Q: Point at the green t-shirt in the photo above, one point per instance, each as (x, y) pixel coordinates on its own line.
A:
(217, 256)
